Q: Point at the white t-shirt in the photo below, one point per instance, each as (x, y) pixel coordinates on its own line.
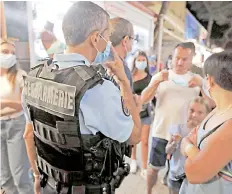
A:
(172, 97)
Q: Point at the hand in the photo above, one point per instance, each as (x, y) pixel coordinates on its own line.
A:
(4, 104)
(9, 103)
(192, 136)
(138, 102)
(161, 76)
(196, 81)
(185, 142)
(116, 68)
(37, 185)
(177, 137)
(172, 146)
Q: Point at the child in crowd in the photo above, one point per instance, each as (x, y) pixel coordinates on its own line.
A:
(197, 111)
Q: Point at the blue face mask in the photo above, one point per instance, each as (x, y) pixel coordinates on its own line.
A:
(140, 65)
(180, 81)
(103, 56)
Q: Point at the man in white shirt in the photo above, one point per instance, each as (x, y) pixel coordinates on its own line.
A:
(173, 89)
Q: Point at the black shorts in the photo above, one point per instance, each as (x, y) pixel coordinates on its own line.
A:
(174, 185)
(158, 153)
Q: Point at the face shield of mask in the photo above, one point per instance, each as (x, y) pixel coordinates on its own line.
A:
(103, 56)
(7, 60)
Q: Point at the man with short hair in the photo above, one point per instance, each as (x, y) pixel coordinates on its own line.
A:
(79, 126)
(193, 68)
(173, 89)
(122, 38)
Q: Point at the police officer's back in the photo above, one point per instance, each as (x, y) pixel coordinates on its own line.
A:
(79, 119)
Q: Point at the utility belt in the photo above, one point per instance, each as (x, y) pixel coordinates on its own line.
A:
(81, 189)
(104, 172)
(84, 188)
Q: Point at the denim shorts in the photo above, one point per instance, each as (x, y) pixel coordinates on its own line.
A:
(174, 185)
(146, 121)
(158, 153)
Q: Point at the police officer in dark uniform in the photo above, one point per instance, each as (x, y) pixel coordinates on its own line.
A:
(78, 122)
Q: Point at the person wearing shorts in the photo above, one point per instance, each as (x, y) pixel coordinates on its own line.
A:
(141, 78)
(173, 89)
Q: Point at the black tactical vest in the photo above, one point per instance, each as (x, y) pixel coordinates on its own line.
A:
(85, 163)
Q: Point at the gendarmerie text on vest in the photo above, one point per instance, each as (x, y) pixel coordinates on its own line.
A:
(49, 94)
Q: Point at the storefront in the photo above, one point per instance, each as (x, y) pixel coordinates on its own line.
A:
(142, 22)
(196, 33)
(42, 13)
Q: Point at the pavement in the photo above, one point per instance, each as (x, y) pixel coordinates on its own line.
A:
(135, 184)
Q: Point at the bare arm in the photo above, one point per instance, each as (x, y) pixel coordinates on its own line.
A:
(133, 108)
(199, 167)
(30, 146)
(15, 106)
(116, 69)
(191, 138)
(29, 138)
(149, 93)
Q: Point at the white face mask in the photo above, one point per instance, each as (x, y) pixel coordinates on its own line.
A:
(140, 65)
(206, 89)
(208, 93)
(7, 60)
(56, 48)
(180, 81)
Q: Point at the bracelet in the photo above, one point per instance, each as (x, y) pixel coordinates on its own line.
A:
(188, 147)
(36, 175)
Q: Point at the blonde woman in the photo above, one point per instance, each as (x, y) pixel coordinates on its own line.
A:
(14, 161)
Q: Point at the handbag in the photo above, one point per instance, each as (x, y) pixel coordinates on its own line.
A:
(145, 112)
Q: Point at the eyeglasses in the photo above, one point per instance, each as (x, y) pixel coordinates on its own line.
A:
(132, 38)
(136, 40)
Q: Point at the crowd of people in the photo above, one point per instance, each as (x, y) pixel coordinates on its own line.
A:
(191, 127)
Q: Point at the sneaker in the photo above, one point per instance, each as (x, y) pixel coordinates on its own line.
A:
(143, 174)
(164, 181)
(133, 166)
